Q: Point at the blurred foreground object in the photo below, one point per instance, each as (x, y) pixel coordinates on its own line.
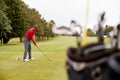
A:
(74, 29)
(95, 61)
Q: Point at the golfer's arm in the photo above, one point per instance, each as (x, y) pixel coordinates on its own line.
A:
(33, 39)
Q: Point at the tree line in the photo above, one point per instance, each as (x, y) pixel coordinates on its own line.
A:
(106, 29)
(16, 17)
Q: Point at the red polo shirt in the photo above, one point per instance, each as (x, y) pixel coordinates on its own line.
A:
(30, 33)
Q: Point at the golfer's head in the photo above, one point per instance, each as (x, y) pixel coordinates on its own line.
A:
(36, 27)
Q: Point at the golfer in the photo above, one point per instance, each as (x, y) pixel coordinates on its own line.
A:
(30, 35)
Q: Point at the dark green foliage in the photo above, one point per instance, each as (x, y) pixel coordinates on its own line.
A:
(5, 27)
(108, 29)
(18, 17)
(15, 14)
(90, 33)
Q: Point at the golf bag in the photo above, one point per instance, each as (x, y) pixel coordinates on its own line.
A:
(95, 61)
(101, 64)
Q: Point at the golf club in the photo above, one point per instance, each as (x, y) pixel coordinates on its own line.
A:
(100, 32)
(50, 59)
(118, 37)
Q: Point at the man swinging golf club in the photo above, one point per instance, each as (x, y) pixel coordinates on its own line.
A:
(30, 35)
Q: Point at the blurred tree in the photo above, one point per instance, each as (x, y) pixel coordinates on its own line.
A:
(90, 33)
(51, 24)
(15, 14)
(5, 27)
(20, 17)
(107, 29)
(44, 28)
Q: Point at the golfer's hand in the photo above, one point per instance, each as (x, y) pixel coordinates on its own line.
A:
(34, 41)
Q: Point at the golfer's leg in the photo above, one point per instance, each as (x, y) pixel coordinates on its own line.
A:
(26, 46)
(29, 51)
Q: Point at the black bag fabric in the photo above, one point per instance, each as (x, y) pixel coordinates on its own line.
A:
(93, 62)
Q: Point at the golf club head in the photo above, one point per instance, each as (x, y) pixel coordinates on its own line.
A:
(61, 30)
(73, 29)
(50, 59)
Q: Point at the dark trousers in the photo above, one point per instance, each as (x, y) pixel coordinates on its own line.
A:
(27, 49)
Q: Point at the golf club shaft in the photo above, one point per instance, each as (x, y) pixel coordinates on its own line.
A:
(43, 53)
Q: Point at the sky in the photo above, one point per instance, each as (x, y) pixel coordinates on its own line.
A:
(63, 11)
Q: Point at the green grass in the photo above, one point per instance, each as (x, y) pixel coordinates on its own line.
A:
(41, 68)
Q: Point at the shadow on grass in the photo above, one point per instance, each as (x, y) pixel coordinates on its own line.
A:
(11, 44)
(8, 44)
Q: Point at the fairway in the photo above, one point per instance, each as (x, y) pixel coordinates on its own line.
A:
(41, 68)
